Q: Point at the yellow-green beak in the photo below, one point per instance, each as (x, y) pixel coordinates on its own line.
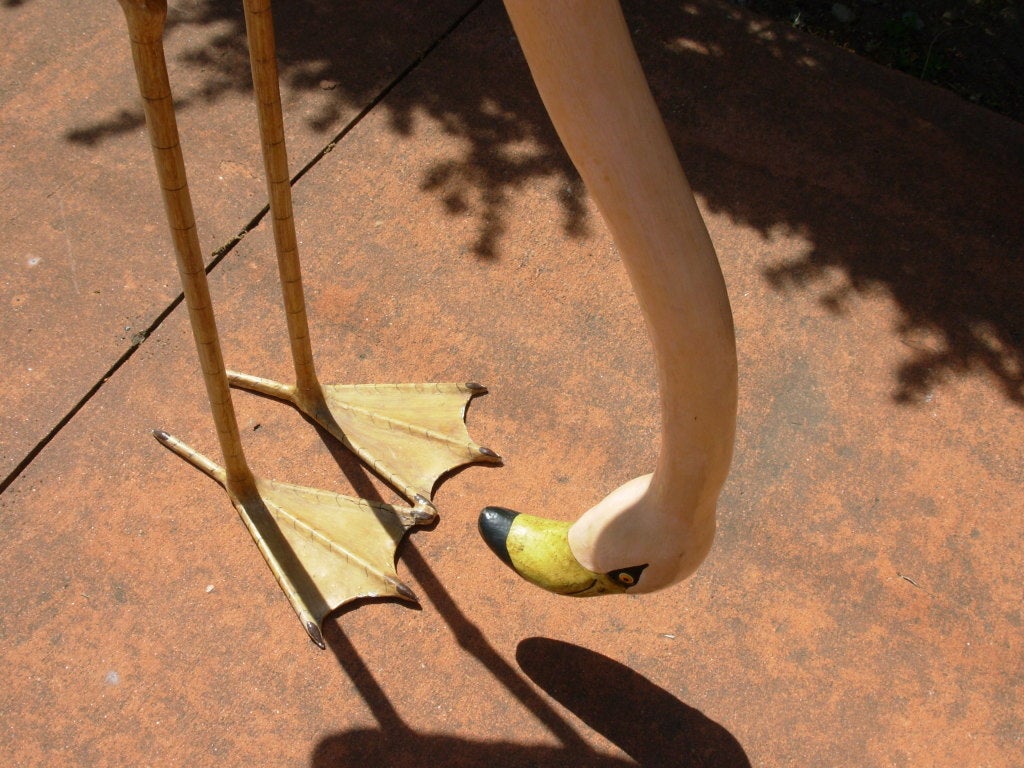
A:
(538, 550)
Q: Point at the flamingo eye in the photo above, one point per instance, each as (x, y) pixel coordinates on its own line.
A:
(627, 577)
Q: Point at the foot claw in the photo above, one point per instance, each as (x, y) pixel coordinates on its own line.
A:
(424, 512)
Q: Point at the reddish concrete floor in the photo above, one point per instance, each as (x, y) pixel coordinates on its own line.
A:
(863, 601)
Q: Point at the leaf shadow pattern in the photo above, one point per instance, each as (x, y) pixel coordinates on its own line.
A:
(898, 190)
(657, 729)
(355, 51)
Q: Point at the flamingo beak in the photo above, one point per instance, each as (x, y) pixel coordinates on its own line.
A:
(538, 550)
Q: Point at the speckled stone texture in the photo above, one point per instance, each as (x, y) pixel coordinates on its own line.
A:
(862, 604)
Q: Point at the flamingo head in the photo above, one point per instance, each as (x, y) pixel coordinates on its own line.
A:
(538, 550)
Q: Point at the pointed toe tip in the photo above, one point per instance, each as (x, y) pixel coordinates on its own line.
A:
(423, 516)
(160, 435)
(485, 451)
(403, 590)
(424, 512)
(316, 635)
(494, 524)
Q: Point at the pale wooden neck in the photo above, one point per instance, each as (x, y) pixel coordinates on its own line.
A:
(587, 72)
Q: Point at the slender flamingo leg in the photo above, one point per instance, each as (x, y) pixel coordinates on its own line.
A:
(259, 25)
(409, 434)
(323, 548)
(146, 23)
(654, 530)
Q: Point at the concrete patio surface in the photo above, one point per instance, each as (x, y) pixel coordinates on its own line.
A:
(863, 602)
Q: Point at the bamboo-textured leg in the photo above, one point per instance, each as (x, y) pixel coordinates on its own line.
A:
(323, 548)
(409, 434)
(263, 60)
(146, 24)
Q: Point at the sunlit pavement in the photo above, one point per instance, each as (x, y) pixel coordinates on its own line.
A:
(862, 604)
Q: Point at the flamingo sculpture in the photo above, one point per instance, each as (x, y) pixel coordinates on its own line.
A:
(325, 549)
(654, 530)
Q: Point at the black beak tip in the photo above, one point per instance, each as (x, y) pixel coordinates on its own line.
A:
(494, 524)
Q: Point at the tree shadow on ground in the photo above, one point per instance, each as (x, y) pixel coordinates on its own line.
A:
(357, 52)
(890, 183)
(897, 189)
(644, 721)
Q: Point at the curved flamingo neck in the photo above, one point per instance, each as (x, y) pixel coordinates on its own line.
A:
(587, 72)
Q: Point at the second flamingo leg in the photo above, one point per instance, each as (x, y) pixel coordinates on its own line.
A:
(409, 434)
